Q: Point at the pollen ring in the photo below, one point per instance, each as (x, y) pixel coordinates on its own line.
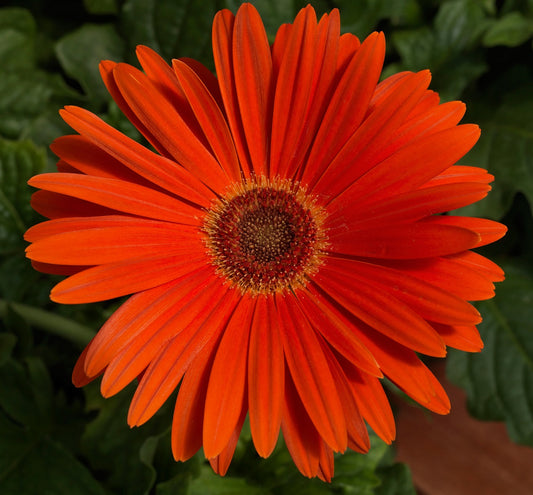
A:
(266, 236)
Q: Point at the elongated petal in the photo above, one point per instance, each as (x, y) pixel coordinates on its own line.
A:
(336, 332)
(156, 331)
(172, 131)
(430, 302)
(349, 103)
(187, 424)
(309, 370)
(415, 240)
(409, 206)
(252, 65)
(111, 244)
(153, 167)
(223, 25)
(119, 195)
(208, 113)
(299, 433)
(426, 156)
(382, 312)
(266, 377)
(124, 277)
(166, 370)
(370, 137)
(227, 381)
(403, 367)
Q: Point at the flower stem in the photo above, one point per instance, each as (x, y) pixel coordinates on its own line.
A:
(50, 322)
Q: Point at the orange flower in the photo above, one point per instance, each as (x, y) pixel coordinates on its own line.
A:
(283, 244)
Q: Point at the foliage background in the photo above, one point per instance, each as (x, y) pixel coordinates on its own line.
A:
(55, 439)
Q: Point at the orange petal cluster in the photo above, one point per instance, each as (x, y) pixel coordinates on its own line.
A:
(394, 277)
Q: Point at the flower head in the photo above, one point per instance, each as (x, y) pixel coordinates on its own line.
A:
(283, 243)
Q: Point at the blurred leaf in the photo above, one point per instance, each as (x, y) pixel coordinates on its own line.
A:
(362, 17)
(80, 53)
(101, 6)
(7, 343)
(18, 162)
(512, 29)
(30, 460)
(24, 95)
(448, 48)
(17, 39)
(273, 12)
(173, 28)
(499, 380)
(114, 448)
(506, 150)
(209, 482)
(395, 480)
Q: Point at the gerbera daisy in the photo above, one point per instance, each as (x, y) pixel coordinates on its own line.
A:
(283, 242)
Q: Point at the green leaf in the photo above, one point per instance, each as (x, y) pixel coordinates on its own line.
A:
(512, 29)
(80, 53)
(506, 150)
(124, 454)
(499, 380)
(395, 480)
(101, 6)
(18, 162)
(448, 49)
(23, 96)
(209, 482)
(362, 17)
(17, 39)
(31, 464)
(173, 28)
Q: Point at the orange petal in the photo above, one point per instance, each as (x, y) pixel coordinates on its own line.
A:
(301, 437)
(306, 70)
(381, 311)
(409, 206)
(221, 462)
(370, 137)
(167, 368)
(430, 302)
(157, 329)
(446, 272)
(348, 105)
(481, 264)
(266, 376)
(223, 27)
(227, 381)
(54, 205)
(110, 244)
(403, 367)
(210, 116)
(153, 167)
(423, 239)
(372, 402)
(489, 231)
(410, 166)
(119, 195)
(252, 65)
(462, 337)
(309, 370)
(187, 424)
(124, 277)
(335, 331)
(358, 439)
(169, 127)
(84, 156)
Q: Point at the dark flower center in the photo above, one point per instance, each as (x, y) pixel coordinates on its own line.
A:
(265, 236)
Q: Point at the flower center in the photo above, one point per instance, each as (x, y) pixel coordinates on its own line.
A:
(266, 236)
